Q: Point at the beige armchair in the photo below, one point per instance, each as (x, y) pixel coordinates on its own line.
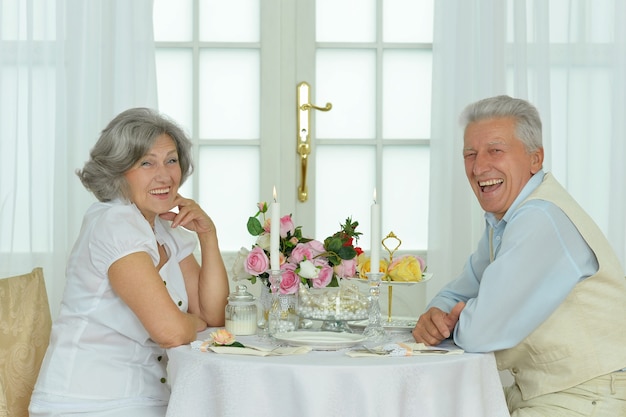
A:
(24, 335)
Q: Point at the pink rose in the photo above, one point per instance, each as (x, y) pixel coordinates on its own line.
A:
(324, 277)
(290, 280)
(300, 252)
(316, 247)
(257, 262)
(422, 263)
(321, 261)
(286, 226)
(346, 269)
(262, 206)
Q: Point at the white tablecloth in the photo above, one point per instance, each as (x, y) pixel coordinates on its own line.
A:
(329, 384)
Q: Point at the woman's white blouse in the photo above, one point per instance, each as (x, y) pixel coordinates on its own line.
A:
(99, 350)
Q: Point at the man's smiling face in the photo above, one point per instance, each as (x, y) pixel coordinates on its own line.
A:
(497, 164)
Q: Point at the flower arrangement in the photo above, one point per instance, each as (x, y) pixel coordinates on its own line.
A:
(302, 260)
(407, 268)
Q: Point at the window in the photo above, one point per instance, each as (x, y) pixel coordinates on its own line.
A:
(228, 72)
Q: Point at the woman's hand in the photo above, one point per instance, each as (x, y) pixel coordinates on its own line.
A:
(200, 323)
(190, 215)
(206, 282)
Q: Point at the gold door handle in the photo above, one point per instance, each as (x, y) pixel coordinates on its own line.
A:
(309, 106)
(304, 108)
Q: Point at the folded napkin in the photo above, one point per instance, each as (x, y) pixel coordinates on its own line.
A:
(206, 346)
(402, 349)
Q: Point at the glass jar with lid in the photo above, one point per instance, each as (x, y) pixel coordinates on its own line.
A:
(241, 312)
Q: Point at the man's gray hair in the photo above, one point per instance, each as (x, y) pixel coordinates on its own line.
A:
(126, 139)
(528, 121)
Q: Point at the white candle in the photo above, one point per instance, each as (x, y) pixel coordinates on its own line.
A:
(275, 235)
(375, 244)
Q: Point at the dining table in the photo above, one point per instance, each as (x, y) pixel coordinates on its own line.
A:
(331, 382)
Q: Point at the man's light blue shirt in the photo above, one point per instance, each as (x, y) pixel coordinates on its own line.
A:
(539, 256)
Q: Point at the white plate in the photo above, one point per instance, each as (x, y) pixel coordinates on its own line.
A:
(397, 324)
(320, 340)
(427, 276)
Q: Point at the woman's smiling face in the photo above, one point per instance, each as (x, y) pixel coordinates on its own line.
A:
(497, 164)
(154, 180)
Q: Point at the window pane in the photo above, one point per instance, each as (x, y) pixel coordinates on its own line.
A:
(405, 195)
(408, 21)
(338, 194)
(228, 208)
(345, 20)
(32, 21)
(229, 94)
(406, 94)
(229, 21)
(10, 19)
(581, 21)
(347, 79)
(172, 20)
(570, 21)
(174, 84)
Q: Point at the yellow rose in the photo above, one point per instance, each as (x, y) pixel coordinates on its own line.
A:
(405, 268)
(363, 266)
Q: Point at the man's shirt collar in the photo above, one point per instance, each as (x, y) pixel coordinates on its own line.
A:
(530, 186)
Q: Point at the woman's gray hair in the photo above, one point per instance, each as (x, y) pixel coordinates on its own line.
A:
(126, 139)
(528, 122)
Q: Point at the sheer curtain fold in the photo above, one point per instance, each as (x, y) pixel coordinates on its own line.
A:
(465, 68)
(66, 68)
(570, 66)
(617, 184)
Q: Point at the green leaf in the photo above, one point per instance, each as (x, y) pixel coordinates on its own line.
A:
(334, 282)
(346, 252)
(254, 226)
(333, 244)
(236, 344)
(333, 258)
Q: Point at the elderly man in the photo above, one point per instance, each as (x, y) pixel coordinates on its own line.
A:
(544, 290)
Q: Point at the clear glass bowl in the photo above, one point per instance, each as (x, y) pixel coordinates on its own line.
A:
(333, 305)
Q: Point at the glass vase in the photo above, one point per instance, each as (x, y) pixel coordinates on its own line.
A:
(282, 315)
(264, 305)
(374, 330)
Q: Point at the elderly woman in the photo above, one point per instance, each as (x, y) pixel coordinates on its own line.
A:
(134, 286)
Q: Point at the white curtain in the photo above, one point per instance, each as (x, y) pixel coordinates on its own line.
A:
(568, 57)
(67, 67)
